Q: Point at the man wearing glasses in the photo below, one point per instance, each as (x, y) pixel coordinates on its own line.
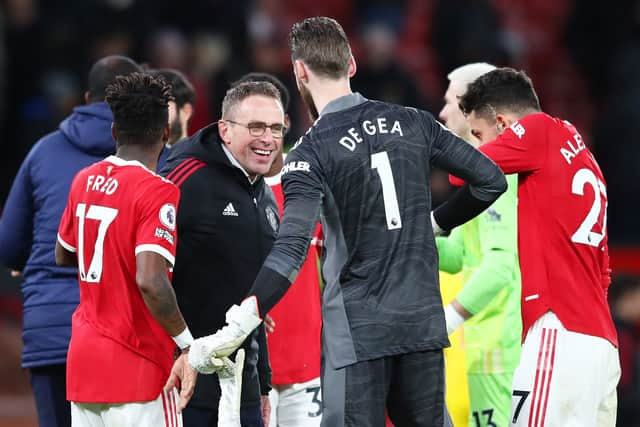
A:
(228, 220)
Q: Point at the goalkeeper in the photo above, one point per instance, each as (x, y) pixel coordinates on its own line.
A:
(364, 167)
(485, 250)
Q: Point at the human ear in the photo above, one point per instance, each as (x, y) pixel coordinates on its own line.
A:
(352, 66)
(166, 133)
(501, 123)
(300, 70)
(224, 131)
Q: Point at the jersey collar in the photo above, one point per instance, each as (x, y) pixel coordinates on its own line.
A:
(237, 164)
(122, 162)
(344, 102)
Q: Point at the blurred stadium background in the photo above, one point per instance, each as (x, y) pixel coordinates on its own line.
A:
(583, 56)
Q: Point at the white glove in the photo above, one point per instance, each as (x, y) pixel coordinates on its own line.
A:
(453, 319)
(230, 375)
(437, 230)
(241, 321)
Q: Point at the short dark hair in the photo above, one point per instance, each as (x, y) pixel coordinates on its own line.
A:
(181, 88)
(322, 44)
(266, 77)
(140, 106)
(503, 89)
(104, 72)
(237, 94)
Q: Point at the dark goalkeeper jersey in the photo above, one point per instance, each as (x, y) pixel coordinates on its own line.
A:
(363, 168)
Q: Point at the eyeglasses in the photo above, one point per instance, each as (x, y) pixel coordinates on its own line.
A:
(257, 129)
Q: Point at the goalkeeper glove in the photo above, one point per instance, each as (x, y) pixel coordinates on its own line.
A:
(230, 376)
(241, 321)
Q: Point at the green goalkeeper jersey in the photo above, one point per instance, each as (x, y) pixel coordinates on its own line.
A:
(485, 250)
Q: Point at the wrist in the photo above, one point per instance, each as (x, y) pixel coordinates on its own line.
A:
(184, 340)
(452, 318)
(244, 316)
(180, 352)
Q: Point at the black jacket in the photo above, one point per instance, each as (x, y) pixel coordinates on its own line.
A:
(226, 227)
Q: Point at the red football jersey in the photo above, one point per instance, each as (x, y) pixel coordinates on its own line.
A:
(118, 352)
(562, 215)
(294, 346)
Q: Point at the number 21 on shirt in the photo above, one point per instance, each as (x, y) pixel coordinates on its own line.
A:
(105, 216)
(585, 234)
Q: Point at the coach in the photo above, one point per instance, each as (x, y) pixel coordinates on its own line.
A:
(227, 222)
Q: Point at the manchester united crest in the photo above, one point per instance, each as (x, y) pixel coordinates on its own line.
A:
(272, 218)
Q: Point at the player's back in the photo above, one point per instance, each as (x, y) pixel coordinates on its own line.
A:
(380, 267)
(108, 212)
(114, 212)
(562, 222)
(578, 238)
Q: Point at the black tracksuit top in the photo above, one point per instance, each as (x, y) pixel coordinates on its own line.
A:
(226, 227)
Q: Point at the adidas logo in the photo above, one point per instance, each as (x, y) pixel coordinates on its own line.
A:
(229, 210)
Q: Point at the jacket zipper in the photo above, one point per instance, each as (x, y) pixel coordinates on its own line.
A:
(252, 194)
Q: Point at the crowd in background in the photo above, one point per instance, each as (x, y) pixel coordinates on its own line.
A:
(583, 56)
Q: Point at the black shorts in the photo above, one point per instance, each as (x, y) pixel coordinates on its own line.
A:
(410, 387)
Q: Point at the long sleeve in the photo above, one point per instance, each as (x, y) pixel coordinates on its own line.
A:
(451, 251)
(498, 246)
(16, 223)
(303, 193)
(485, 182)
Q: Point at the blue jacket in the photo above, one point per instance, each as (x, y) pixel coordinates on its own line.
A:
(29, 226)
(162, 159)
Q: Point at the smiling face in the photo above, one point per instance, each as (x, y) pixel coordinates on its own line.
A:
(254, 153)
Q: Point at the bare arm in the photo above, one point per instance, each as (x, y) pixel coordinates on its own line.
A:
(460, 309)
(157, 292)
(65, 258)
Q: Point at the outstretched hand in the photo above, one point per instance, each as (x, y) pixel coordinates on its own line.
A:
(207, 352)
(182, 376)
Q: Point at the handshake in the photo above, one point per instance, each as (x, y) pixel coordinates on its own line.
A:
(210, 354)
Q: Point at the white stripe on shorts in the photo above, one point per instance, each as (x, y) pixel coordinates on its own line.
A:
(544, 373)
